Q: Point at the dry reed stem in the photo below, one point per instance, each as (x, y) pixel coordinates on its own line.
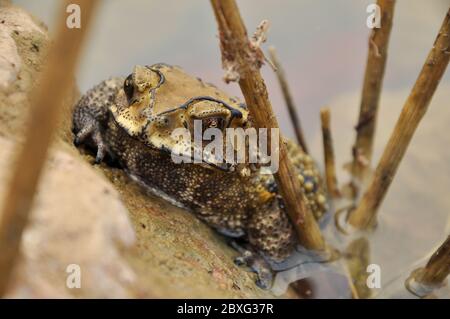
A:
(413, 111)
(328, 150)
(373, 81)
(281, 75)
(47, 97)
(437, 268)
(242, 59)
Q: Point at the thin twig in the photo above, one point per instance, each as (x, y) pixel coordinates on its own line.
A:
(414, 109)
(242, 57)
(328, 150)
(348, 276)
(373, 80)
(281, 75)
(57, 79)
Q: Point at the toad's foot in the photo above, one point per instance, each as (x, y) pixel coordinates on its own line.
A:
(91, 133)
(256, 263)
(90, 116)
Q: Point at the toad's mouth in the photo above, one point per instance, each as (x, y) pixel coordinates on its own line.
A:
(207, 160)
(224, 167)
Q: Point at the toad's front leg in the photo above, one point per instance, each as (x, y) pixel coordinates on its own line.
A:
(270, 237)
(91, 114)
(256, 263)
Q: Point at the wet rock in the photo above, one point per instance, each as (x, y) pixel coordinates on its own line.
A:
(177, 255)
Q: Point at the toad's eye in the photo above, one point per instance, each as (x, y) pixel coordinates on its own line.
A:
(128, 87)
(213, 122)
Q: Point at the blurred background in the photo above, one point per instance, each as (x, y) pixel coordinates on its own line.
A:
(322, 46)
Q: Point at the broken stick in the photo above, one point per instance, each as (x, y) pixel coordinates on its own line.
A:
(288, 99)
(437, 268)
(328, 150)
(413, 111)
(242, 60)
(373, 81)
(422, 282)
